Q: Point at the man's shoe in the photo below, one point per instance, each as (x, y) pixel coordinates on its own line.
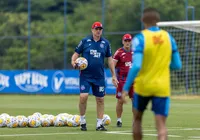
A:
(83, 127)
(119, 124)
(101, 128)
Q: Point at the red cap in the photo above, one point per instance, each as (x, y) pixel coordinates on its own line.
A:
(127, 37)
(97, 25)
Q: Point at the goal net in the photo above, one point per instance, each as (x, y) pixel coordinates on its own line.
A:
(187, 36)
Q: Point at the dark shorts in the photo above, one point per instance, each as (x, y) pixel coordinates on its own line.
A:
(97, 85)
(120, 88)
(160, 105)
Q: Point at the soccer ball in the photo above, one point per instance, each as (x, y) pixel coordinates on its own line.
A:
(5, 115)
(106, 119)
(82, 63)
(37, 114)
(73, 120)
(33, 121)
(11, 122)
(45, 120)
(52, 119)
(22, 121)
(77, 120)
(2, 121)
(59, 120)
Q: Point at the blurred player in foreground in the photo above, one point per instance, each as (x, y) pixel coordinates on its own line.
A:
(94, 48)
(122, 61)
(155, 53)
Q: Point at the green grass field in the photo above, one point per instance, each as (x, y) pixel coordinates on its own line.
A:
(183, 122)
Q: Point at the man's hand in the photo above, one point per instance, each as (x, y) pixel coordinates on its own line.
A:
(123, 97)
(115, 81)
(75, 65)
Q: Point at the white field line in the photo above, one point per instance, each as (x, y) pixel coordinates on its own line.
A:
(155, 135)
(194, 137)
(128, 132)
(41, 134)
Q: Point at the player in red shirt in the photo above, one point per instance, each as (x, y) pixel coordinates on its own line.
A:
(123, 61)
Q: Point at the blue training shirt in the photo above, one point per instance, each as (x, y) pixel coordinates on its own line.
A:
(94, 52)
(138, 47)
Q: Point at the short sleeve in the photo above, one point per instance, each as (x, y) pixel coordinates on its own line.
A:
(173, 43)
(116, 55)
(79, 48)
(108, 50)
(138, 43)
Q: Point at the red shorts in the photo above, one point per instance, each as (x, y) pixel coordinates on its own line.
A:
(120, 88)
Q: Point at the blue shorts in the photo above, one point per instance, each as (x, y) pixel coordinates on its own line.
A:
(160, 105)
(98, 86)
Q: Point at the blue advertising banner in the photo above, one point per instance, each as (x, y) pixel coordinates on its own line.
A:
(45, 82)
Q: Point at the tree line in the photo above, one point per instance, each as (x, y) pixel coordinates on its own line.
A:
(47, 27)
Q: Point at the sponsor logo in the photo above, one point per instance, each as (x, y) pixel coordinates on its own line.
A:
(128, 64)
(82, 87)
(4, 81)
(103, 42)
(60, 82)
(31, 81)
(119, 94)
(102, 45)
(57, 81)
(95, 53)
(101, 89)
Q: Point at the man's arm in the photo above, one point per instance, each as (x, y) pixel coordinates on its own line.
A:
(116, 58)
(73, 59)
(133, 72)
(112, 69)
(78, 50)
(115, 62)
(176, 63)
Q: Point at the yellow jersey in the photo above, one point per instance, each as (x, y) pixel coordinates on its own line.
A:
(153, 78)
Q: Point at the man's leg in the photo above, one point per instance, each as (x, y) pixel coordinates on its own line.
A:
(160, 106)
(137, 127)
(139, 105)
(82, 110)
(119, 105)
(100, 110)
(119, 110)
(98, 89)
(161, 127)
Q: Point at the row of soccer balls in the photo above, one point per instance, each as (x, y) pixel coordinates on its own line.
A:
(46, 120)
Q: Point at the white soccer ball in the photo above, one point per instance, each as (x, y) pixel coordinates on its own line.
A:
(59, 120)
(2, 121)
(77, 120)
(12, 122)
(73, 120)
(22, 121)
(5, 115)
(37, 114)
(63, 114)
(52, 119)
(82, 63)
(33, 121)
(106, 119)
(45, 120)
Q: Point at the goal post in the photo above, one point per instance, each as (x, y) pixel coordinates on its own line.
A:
(187, 36)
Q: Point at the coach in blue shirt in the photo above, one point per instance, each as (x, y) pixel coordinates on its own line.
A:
(94, 48)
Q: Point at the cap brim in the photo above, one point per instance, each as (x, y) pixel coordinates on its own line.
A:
(98, 27)
(127, 39)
